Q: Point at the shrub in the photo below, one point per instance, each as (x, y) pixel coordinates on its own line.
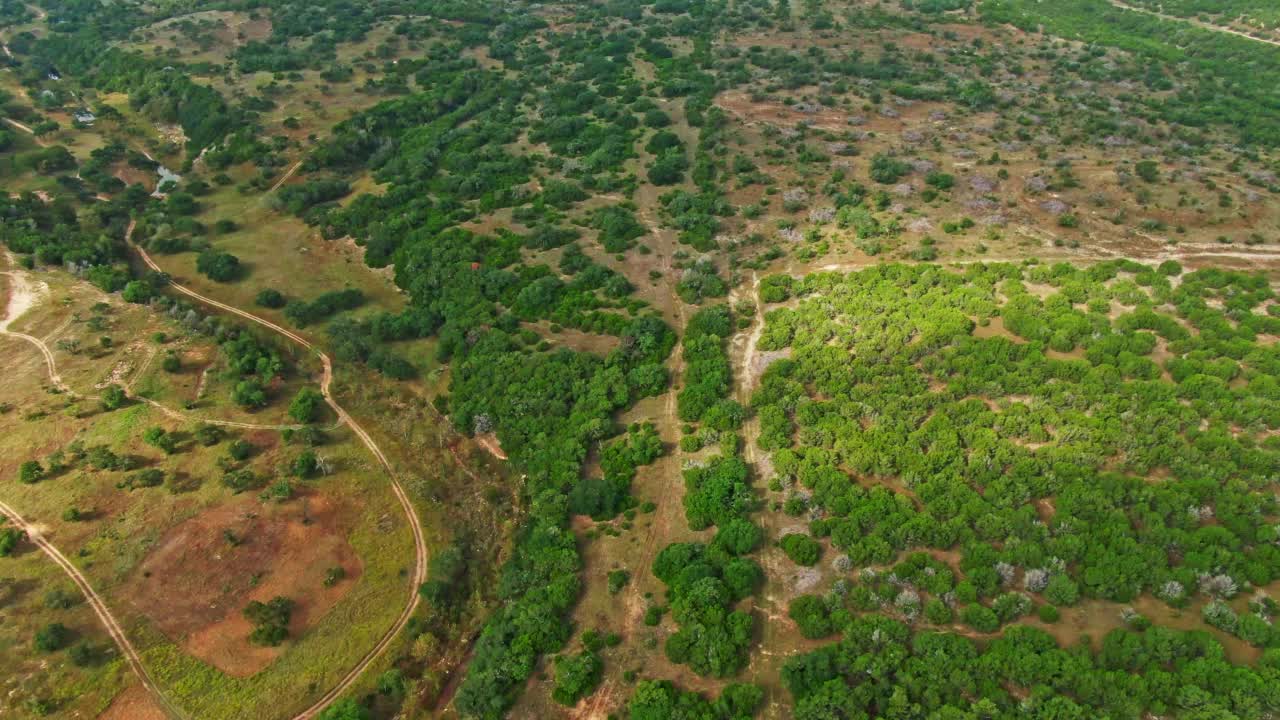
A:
(617, 580)
(52, 637)
(269, 298)
(30, 472)
(9, 539)
(810, 614)
(1062, 590)
(270, 620)
(113, 397)
(306, 405)
(937, 612)
(802, 549)
(980, 618)
(218, 265)
(576, 676)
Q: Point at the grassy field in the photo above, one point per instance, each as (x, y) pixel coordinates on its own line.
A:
(264, 546)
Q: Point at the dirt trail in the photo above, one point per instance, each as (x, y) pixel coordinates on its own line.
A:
(1192, 21)
(26, 129)
(96, 603)
(21, 299)
(287, 174)
(419, 540)
(23, 295)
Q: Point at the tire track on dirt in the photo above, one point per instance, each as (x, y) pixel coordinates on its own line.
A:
(419, 539)
(287, 174)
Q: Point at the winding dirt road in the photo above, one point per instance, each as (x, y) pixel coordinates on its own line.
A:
(21, 299)
(95, 602)
(56, 380)
(1196, 22)
(419, 540)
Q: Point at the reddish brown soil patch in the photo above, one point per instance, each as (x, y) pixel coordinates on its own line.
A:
(196, 582)
(133, 704)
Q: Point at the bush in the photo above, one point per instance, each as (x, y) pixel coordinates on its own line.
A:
(218, 265)
(1062, 591)
(52, 637)
(306, 405)
(306, 465)
(270, 620)
(113, 397)
(980, 618)
(269, 298)
(345, 709)
(618, 579)
(802, 549)
(240, 450)
(82, 654)
(810, 614)
(250, 394)
(208, 435)
(30, 472)
(576, 676)
(137, 291)
(9, 539)
(937, 612)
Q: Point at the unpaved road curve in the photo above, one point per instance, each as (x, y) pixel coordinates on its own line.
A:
(419, 540)
(21, 297)
(96, 603)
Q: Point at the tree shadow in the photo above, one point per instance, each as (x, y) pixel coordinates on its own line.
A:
(180, 483)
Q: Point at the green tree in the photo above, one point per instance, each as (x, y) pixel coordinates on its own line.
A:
(113, 397)
(802, 549)
(158, 437)
(30, 472)
(1062, 591)
(305, 406)
(218, 265)
(576, 677)
(52, 637)
(250, 394)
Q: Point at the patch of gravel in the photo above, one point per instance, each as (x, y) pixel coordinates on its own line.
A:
(1054, 207)
(1035, 184)
(982, 184)
(923, 167)
(805, 579)
(920, 225)
(904, 189)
